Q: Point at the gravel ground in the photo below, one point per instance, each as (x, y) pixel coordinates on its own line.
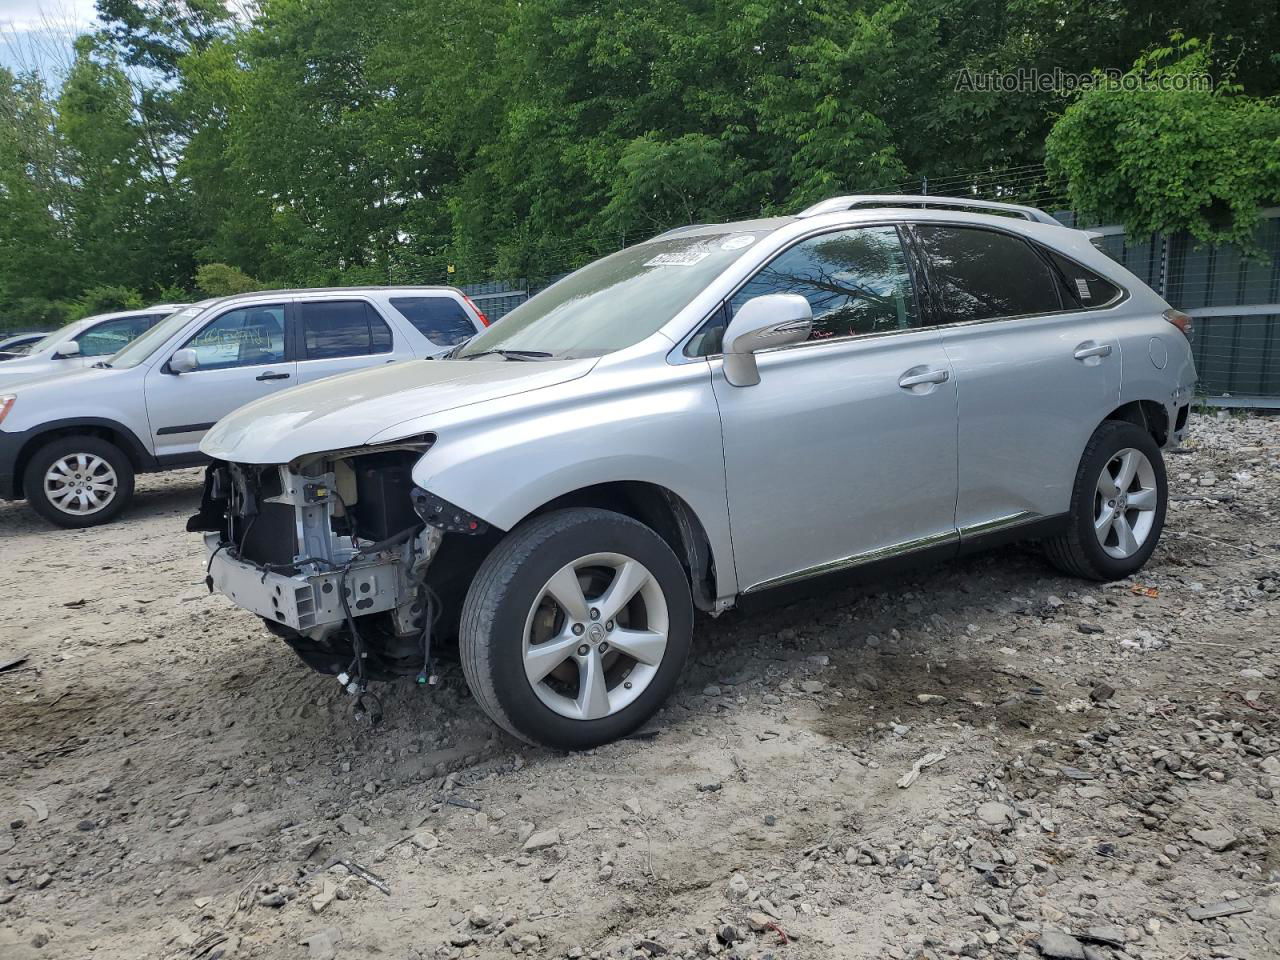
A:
(1098, 767)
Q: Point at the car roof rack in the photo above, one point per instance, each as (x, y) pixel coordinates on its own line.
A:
(838, 204)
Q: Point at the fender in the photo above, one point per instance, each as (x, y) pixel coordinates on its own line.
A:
(16, 448)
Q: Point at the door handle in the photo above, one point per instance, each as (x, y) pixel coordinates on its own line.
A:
(273, 376)
(1090, 349)
(909, 379)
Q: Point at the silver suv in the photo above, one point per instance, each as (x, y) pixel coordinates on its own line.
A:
(82, 343)
(71, 443)
(720, 411)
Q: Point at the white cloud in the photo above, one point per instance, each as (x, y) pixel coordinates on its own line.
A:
(24, 16)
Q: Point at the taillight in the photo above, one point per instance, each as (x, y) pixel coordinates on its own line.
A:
(1180, 320)
(479, 313)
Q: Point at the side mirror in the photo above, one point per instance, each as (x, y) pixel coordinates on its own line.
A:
(68, 348)
(184, 361)
(773, 320)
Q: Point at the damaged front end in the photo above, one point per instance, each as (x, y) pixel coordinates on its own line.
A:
(343, 557)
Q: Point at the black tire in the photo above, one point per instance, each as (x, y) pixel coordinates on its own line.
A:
(1078, 552)
(491, 636)
(33, 485)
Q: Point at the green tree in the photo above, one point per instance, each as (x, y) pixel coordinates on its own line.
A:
(221, 280)
(1203, 159)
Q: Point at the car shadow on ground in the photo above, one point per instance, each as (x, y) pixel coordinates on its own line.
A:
(154, 497)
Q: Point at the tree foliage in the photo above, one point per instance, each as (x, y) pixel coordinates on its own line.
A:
(342, 141)
(1201, 160)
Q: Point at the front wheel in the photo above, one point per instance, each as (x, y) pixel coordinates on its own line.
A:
(576, 628)
(1117, 505)
(78, 481)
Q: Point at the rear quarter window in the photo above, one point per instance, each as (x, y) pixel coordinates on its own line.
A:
(1082, 288)
(440, 319)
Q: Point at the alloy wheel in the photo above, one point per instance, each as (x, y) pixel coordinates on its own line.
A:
(595, 636)
(81, 484)
(1125, 502)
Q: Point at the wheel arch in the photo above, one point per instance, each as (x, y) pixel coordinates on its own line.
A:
(102, 428)
(1150, 415)
(664, 512)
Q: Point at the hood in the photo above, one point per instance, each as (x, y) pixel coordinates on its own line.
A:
(348, 410)
(28, 368)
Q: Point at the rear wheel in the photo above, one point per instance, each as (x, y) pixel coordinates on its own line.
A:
(78, 481)
(575, 628)
(1117, 505)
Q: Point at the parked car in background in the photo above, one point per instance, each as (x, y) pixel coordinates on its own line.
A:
(83, 343)
(71, 444)
(715, 413)
(19, 344)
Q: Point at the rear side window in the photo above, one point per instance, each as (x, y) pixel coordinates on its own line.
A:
(342, 328)
(1081, 287)
(984, 275)
(440, 319)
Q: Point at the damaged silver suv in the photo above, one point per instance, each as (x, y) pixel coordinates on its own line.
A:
(714, 413)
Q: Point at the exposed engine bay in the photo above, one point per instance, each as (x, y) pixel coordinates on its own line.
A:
(343, 557)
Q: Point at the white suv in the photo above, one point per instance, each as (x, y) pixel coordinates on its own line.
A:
(82, 343)
(71, 443)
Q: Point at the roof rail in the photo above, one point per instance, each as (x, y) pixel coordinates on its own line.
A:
(837, 204)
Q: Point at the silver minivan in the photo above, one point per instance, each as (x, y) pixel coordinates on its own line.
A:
(71, 444)
(718, 412)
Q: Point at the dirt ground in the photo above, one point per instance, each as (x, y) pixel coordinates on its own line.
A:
(175, 784)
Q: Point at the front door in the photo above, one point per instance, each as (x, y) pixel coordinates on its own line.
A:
(845, 452)
(1039, 369)
(241, 356)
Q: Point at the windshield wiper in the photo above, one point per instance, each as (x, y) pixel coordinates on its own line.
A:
(511, 354)
(102, 365)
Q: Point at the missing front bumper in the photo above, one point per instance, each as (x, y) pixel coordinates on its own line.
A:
(307, 602)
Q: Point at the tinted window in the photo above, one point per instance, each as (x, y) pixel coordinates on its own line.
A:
(440, 319)
(246, 337)
(1081, 287)
(342, 328)
(856, 281)
(110, 336)
(981, 274)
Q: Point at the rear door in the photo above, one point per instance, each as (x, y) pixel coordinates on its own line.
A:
(242, 355)
(338, 336)
(1037, 371)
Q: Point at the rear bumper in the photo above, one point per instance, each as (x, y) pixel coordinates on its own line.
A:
(305, 602)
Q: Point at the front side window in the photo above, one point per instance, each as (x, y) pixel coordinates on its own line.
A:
(857, 281)
(983, 274)
(245, 337)
(440, 319)
(111, 336)
(342, 328)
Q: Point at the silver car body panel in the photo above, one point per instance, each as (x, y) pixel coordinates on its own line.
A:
(855, 467)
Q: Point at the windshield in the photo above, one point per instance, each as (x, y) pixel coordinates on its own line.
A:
(618, 301)
(145, 345)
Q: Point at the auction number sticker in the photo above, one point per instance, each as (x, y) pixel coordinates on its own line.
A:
(738, 242)
(683, 258)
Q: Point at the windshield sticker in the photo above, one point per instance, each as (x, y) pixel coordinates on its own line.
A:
(738, 242)
(683, 258)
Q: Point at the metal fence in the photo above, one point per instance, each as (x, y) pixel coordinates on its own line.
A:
(1235, 300)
